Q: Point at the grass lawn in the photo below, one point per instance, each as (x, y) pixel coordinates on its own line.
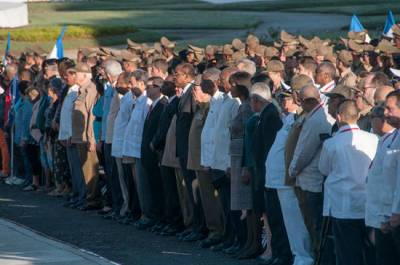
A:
(106, 22)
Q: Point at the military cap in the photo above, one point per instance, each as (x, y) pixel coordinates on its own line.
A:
(331, 57)
(83, 68)
(324, 50)
(341, 90)
(260, 50)
(303, 41)
(29, 52)
(238, 45)
(167, 43)
(147, 49)
(358, 37)
(238, 55)
(387, 47)
(252, 40)
(133, 45)
(104, 51)
(345, 57)
(288, 39)
(127, 56)
(197, 51)
(270, 52)
(300, 81)
(210, 50)
(39, 51)
(157, 46)
(227, 49)
(396, 30)
(275, 66)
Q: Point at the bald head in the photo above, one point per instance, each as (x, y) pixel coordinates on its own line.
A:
(348, 112)
(381, 93)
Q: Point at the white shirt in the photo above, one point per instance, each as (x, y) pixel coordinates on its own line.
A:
(304, 165)
(275, 163)
(345, 159)
(207, 140)
(375, 184)
(65, 131)
(229, 108)
(326, 89)
(134, 130)
(120, 124)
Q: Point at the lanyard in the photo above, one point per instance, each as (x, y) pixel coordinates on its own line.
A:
(315, 110)
(349, 129)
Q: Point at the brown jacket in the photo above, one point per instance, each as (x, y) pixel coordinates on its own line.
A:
(169, 158)
(290, 146)
(194, 153)
(82, 115)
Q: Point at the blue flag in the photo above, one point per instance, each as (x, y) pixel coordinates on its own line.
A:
(355, 25)
(8, 47)
(58, 50)
(387, 31)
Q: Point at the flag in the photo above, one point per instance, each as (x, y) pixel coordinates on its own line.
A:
(355, 25)
(8, 47)
(387, 31)
(58, 50)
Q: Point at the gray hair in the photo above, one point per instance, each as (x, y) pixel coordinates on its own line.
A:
(140, 75)
(212, 74)
(112, 68)
(248, 66)
(261, 91)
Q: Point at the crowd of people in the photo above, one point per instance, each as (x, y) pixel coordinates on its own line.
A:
(291, 150)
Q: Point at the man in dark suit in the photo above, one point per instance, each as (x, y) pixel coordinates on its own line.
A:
(264, 136)
(149, 157)
(173, 214)
(184, 78)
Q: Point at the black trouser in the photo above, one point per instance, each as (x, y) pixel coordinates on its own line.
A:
(350, 238)
(239, 227)
(112, 179)
(223, 186)
(279, 240)
(387, 247)
(173, 212)
(156, 203)
(189, 176)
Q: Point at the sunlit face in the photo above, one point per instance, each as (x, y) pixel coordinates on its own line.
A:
(392, 112)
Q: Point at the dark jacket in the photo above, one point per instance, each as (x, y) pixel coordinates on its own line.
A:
(184, 117)
(165, 121)
(149, 158)
(264, 136)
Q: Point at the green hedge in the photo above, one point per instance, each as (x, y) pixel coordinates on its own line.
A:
(35, 34)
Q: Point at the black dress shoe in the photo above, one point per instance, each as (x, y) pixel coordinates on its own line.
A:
(194, 236)
(232, 249)
(68, 204)
(218, 247)
(83, 208)
(104, 211)
(209, 242)
(111, 215)
(171, 231)
(268, 261)
(183, 234)
(144, 223)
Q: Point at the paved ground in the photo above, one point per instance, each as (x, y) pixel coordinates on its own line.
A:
(121, 244)
(21, 246)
